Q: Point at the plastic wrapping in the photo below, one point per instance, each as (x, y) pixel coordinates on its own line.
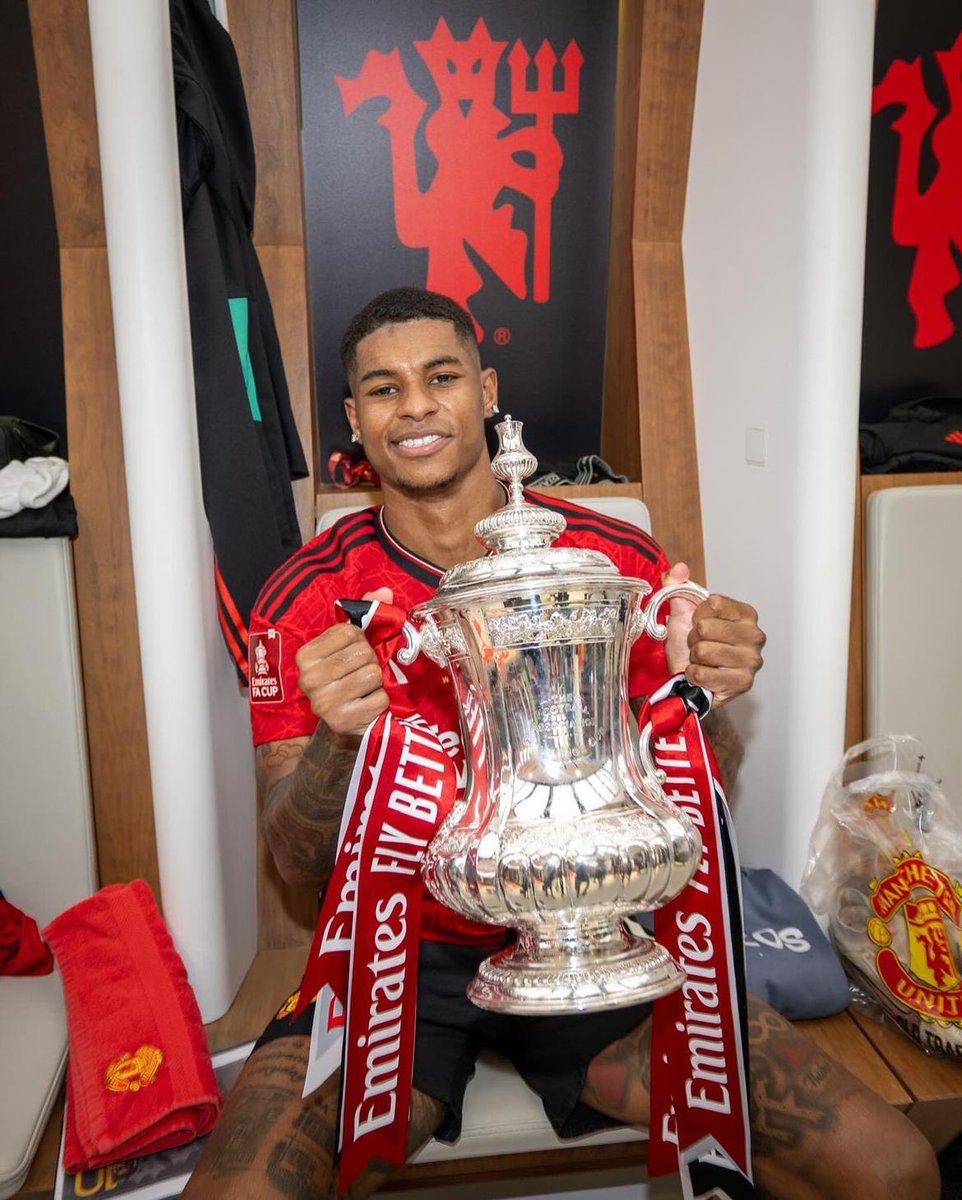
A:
(885, 861)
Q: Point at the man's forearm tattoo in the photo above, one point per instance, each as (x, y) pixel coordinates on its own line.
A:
(302, 810)
(299, 1161)
(253, 1112)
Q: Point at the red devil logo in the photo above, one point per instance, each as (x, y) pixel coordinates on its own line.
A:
(929, 220)
(462, 208)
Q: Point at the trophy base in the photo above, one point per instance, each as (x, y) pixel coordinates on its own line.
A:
(539, 976)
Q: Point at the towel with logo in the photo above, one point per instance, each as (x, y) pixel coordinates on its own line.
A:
(139, 1074)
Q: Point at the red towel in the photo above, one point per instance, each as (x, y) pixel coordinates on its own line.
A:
(21, 950)
(139, 1075)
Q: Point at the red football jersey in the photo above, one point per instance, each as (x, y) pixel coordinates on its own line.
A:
(358, 554)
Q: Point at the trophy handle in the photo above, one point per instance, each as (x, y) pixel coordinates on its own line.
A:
(646, 615)
(653, 774)
(422, 639)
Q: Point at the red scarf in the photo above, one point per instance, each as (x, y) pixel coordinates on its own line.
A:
(699, 1063)
(364, 955)
(363, 960)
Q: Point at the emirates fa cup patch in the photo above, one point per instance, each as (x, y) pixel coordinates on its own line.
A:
(264, 651)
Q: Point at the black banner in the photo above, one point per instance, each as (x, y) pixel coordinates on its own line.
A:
(465, 146)
(911, 343)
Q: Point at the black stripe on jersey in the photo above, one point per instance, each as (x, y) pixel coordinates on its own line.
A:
(591, 521)
(417, 568)
(324, 544)
(333, 562)
(325, 552)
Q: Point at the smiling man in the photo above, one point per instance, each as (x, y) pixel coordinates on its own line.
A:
(418, 401)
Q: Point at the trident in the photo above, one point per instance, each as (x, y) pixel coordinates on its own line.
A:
(545, 103)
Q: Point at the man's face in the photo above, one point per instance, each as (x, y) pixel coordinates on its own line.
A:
(419, 399)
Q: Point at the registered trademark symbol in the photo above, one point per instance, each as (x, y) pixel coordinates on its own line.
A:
(502, 335)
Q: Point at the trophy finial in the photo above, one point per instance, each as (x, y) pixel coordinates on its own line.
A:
(519, 525)
(514, 462)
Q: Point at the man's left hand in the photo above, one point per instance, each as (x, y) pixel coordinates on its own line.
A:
(717, 644)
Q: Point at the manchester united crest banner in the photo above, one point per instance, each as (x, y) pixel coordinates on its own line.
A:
(466, 147)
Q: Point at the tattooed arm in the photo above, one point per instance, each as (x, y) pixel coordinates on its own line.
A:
(304, 780)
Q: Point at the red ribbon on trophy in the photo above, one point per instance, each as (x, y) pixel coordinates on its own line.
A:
(363, 961)
(699, 1056)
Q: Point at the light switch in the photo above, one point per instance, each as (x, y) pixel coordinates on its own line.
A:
(756, 445)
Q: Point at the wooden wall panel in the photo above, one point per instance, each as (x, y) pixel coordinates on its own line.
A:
(109, 643)
(620, 441)
(648, 428)
(669, 66)
(106, 603)
(263, 32)
(667, 421)
(670, 41)
(61, 46)
(855, 686)
(285, 273)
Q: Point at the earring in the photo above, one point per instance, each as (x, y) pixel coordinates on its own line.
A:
(494, 409)
(356, 438)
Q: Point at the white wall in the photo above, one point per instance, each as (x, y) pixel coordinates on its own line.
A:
(774, 247)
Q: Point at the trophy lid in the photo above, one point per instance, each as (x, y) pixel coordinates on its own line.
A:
(519, 536)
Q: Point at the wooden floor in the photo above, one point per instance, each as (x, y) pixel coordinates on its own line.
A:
(926, 1087)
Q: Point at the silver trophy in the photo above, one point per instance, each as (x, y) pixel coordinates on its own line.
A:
(564, 829)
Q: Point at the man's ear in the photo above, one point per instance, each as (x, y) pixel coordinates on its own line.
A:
(489, 391)
(351, 415)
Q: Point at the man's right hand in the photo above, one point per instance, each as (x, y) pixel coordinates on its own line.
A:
(340, 675)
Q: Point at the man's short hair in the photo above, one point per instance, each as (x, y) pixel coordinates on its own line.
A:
(403, 304)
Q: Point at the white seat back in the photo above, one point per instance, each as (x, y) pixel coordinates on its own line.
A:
(913, 599)
(625, 508)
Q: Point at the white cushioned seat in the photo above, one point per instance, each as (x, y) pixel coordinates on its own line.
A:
(502, 1115)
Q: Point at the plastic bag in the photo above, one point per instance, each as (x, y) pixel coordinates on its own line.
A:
(884, 868)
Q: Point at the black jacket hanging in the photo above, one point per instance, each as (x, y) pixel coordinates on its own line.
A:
(249, 447)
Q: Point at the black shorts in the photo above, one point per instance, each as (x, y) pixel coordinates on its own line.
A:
(551, 1054)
